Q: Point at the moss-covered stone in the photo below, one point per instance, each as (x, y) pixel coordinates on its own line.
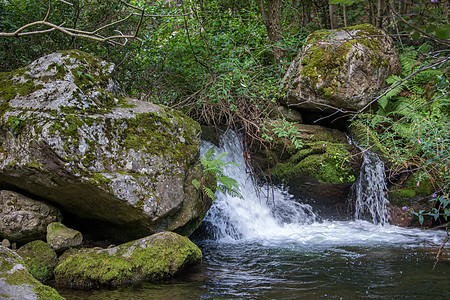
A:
(327, 162)
(40, 259)
(411, 192)
(156, 257)
(119, 164)
(340, 68)
(323, 168)
(17, 283)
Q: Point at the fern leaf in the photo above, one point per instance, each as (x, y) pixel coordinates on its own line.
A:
(196, 183)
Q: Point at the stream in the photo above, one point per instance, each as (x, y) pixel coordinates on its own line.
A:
(275, 247)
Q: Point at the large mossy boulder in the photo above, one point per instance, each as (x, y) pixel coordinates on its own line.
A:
(159, 256)
(319, 171)
(23, 219)
(121, 166)
(339, 70)
(17, 283)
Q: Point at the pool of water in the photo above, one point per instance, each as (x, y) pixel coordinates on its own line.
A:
(390, 262)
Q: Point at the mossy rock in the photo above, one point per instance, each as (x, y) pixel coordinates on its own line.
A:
(323, 168)
(153, 258)
(412, 192)
(17, 283)
(121, 166)
(60, 237)
(339, 70)
(40, 259)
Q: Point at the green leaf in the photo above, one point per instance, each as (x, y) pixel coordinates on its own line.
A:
(383, 102)
(416, 35)
(196, 183)
(442, 33)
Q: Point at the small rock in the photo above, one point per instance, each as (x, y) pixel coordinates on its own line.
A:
(289, 114)
(6, 243)
(61, 238)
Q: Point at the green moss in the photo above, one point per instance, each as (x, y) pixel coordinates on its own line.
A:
(44, 292)
(325, 161)
(99, 178)
(40, 259)
(10, 87)
(410, 191)
(323, 62)
(164, 256)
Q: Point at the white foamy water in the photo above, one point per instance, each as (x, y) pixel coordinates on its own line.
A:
(278, 219)
(369, 190)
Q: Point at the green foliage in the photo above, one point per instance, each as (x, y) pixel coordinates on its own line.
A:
(284, 129)
(16, 125)
(213, 165)
(441, 211)
(412, 125)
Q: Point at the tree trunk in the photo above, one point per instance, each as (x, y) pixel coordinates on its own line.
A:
(379, 14)
(270, 12)
(333, 15)
(344, 12)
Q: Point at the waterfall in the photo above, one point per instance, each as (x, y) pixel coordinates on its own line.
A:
(264, 211)
(271, 216)
(369, 190)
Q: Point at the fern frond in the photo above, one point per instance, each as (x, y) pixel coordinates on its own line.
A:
(209, 193)
(196, 183)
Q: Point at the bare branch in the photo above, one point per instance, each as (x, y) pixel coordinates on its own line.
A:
(93, 35)
(66, 2)
(48, 10)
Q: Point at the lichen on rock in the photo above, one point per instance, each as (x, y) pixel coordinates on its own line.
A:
(115, 163)
(159, 256)
(340, 69)
(23, 219)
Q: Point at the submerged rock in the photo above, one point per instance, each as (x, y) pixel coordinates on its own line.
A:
(40, 259)
(119, 165)
(341, 69)
(23, 219)
(17, 283)
(156, 257)
(61, 238)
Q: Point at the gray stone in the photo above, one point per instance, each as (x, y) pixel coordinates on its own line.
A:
(6, 243)
(289, 114)
(23, 219)
(341, 69)
(61, 238)
(121, 166)
(17, 283)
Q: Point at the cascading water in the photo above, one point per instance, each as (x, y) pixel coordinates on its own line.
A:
(369, 190)
(257, 216)
(282, 220)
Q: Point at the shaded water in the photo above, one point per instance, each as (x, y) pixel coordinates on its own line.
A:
(272, 247)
